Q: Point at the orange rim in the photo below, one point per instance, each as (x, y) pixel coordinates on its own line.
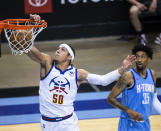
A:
(11, 24)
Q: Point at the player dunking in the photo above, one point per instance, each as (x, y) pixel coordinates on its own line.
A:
(138, 93)
(58, 85)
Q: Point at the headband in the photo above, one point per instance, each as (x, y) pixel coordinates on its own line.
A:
(69, 49)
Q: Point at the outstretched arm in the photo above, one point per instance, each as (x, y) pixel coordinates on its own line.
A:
(34, 53)
(124, 82)
(109, 77)
(103, 80)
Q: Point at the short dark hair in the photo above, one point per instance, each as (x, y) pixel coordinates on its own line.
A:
(148, 50)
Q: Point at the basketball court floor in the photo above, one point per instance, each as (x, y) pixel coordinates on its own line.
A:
(94, 113)
(108, 124)
(97, 55)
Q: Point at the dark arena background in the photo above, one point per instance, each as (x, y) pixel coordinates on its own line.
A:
(81, 18)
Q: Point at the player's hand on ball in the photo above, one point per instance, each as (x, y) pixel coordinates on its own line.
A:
(35, 17)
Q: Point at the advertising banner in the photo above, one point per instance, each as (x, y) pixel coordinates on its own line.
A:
(38, 6)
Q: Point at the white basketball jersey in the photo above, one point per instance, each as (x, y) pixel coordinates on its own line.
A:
(57, 92)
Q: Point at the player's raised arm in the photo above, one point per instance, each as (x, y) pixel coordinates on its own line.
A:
(35, 17)
(38, 56)
(109, 77)
(34, 53)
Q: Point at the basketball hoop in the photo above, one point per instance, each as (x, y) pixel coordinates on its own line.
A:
(21, 33)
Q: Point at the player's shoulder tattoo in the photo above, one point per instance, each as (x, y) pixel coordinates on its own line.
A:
(124, 81)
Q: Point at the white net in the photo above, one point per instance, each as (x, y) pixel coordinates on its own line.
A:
(21, 41)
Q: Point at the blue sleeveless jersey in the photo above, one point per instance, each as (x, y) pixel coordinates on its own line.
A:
(140, 96)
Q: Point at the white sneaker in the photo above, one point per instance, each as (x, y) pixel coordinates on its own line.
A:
(143, 40)
(158, 39)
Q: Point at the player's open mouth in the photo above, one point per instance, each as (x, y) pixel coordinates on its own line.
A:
(139, 64)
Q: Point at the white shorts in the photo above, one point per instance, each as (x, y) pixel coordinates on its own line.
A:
(70, 124)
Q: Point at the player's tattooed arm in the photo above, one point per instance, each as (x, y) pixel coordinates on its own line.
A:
(125, 81)
(121, 84)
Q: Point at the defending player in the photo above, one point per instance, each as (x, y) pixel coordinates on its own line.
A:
(138, 93)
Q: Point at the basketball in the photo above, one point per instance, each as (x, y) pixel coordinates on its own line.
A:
(20, 39)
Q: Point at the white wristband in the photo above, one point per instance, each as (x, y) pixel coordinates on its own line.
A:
(103, 80)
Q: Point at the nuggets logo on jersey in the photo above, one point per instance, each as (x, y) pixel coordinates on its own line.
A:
(58, 91)
(59, 84)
